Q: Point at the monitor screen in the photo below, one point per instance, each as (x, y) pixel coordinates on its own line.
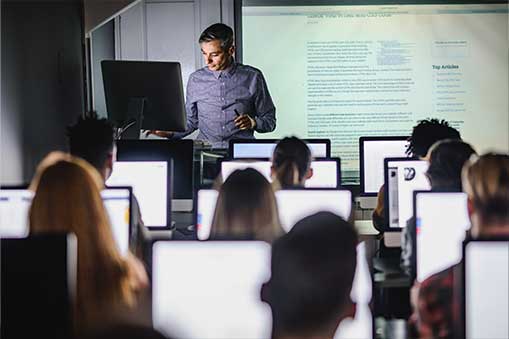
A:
(228, 167)
(265, 148)
(402, 178)
(210, 289)
(14, 207)
(361, 68)
(205, 207)
(439, 235)
(180, 151)
(487, 289)
(117, 202)
(326, 173)
(149, 180)
(361, 326)
(295, 204)
(373, 151)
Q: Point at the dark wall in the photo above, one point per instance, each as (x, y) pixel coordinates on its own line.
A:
(42, 81)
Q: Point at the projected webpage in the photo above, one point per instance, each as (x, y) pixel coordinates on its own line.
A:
(265, 150)
(294, 205)
(118, 203)
(439, 235)
(149, 180)
(404, 177)
(374, 154)
(325, 173)
(211, 289)
(487, 289)
(341, 72)
(14, 207)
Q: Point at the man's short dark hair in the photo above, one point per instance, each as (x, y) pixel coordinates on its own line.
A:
(426, 133)
(92, 139)
(446, 161)
(220, 32)
(313, 267)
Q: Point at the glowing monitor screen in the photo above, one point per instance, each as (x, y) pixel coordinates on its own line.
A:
(228, 167)
(205, 208)
(295, 204)
(14, 207)
(362, 289)
(118, 205)
(441, 224)
(211, 289)
(325, 172)
(265, 150)
(372, 162)
(149, 180)
(487, 289)
(403, 178)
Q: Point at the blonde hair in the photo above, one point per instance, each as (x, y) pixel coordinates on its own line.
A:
(246, 208)
(486, 182)
(67, 200)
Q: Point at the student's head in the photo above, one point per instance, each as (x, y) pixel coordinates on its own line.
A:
(446, 159)
(312, 271)
(67, 200)
(217, 48)
(426, 133)
(486, 182)
(291, 162)
(246, 208)
(92, 139)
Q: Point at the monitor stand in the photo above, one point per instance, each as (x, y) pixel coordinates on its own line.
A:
(131, 127)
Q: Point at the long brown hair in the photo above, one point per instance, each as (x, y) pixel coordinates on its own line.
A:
(67, 199)
(246, 208)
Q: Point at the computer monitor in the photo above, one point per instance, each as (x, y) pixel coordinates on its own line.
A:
(486, 289)
(263, 148)
(210, 289)
(181, 151)
(295, 204)
(362, 325)
(151, 183)
(14, 206)
(146, 93)
(402, 176)
(204, 212)
(439, 235)
(117, 201)
(326, 172)
(38, 285)
(372, 152)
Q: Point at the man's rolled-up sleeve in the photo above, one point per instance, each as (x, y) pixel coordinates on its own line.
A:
(265, 110)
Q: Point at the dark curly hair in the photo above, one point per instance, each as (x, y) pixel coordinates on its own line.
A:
(426, 133)
(92, 139)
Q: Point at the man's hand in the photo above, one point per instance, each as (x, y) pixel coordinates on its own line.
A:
(244, 122)
(161, 134)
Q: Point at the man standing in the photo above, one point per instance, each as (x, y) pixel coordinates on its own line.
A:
(225, 99)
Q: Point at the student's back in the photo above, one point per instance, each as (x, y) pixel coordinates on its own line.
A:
(67, 200)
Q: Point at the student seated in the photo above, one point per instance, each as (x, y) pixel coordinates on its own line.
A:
(92, 139)
(312, 272)
(67, 200)
(424, 135)
(291, 163)
(437, 299)
(446, 159)
(246, 208)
